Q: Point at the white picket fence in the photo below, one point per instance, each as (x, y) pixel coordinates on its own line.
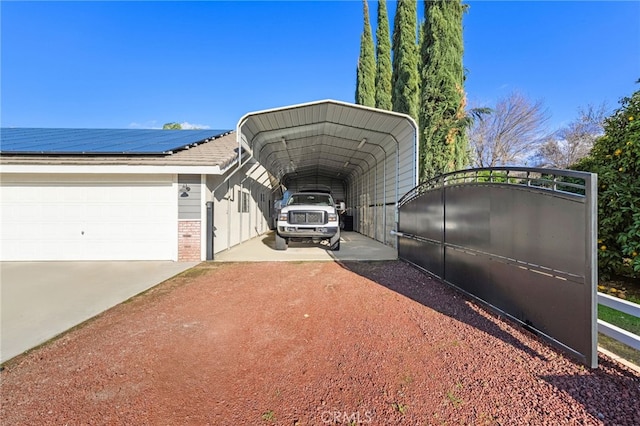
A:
(611, 330)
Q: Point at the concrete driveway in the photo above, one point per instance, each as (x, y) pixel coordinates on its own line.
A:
(39, 300)
(353, 246)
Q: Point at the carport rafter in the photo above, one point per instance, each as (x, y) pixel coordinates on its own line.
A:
(336, 147)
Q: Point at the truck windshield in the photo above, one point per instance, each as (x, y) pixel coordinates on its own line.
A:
(310, 199)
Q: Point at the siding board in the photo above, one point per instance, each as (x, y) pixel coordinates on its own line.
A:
(190, 202)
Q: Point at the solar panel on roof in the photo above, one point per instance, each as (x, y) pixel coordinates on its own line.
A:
(100, 141)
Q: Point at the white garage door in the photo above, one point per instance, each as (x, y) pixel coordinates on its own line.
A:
(81, 217)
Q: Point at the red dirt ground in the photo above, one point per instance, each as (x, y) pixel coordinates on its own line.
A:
(308, 344)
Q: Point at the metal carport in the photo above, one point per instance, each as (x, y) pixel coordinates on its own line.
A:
(367, 156)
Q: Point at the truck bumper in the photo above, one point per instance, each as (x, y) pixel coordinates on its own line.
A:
(293, 231)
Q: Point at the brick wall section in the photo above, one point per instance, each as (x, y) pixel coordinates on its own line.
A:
(189, 241)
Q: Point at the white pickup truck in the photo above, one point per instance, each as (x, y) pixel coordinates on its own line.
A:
(308, 216)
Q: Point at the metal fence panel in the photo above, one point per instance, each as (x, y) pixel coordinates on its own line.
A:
(523, 294)
(425, 254)
(521, 240)
(424, 219)
(521, 223)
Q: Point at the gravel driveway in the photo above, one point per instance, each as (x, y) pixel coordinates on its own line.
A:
(308, 344)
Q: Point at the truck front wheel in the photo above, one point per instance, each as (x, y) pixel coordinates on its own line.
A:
(334, 242)
(281, 243)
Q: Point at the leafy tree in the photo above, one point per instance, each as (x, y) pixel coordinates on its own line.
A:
(405, 77)
(420, 64)
(383, 55)
(443, 120)
(574, 141)
(615, 157)
(508, 133)
(172, 126)
(366, 75)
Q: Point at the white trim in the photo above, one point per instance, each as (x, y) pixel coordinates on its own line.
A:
(619, 334)
(164, 169)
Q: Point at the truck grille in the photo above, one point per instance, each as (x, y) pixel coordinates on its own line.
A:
(306, 218)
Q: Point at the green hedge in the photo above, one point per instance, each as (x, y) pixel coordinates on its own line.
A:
(615, 157)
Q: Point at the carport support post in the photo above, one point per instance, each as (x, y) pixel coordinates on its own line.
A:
(209, 230)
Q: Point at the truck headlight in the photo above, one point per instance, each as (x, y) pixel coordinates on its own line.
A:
(283, 217)
(333, 217)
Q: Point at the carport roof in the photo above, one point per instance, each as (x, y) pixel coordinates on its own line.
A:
(327, 137)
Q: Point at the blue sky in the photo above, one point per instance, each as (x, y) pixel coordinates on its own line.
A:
(142, 64)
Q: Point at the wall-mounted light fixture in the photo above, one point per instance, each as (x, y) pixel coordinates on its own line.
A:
(184, 190)
(362, 142)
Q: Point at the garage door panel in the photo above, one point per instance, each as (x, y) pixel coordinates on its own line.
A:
(133, 232)
(60, 231)
(43, 249)
(98, 221)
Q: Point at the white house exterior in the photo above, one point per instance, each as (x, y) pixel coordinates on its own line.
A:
(98, 207)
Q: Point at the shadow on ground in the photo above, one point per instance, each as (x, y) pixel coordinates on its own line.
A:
(375, 271)
(591, 388)
(270, 241)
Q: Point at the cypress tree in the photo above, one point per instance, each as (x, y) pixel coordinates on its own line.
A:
(405, 96)
(383, 54)
(420, 66)
(366, 74)
(443, 120)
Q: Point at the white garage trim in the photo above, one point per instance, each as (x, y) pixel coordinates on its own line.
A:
(120, 169)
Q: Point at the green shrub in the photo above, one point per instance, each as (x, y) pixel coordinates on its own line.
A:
(615, 157)
(495, 177)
